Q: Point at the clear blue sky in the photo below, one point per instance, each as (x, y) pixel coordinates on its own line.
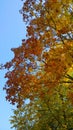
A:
(12, 31)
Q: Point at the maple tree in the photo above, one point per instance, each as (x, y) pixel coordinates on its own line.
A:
(46, 51)
(44, 61)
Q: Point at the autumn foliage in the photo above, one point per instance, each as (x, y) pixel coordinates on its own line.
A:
(42, 67)
(43, 64)
(46, 55)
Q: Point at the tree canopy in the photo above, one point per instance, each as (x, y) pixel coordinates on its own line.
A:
(42, 67)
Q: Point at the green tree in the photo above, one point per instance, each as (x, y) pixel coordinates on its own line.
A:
(55, 112)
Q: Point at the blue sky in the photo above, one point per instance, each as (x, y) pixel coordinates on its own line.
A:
(12, 31)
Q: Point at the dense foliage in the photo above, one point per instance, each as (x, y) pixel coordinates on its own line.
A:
(42, 67)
